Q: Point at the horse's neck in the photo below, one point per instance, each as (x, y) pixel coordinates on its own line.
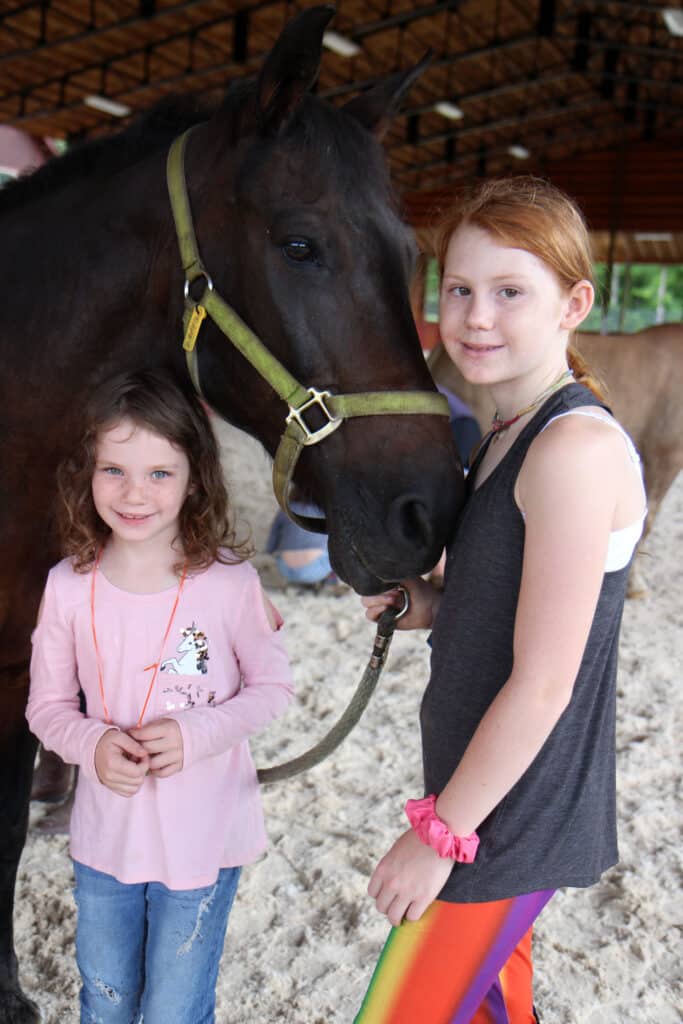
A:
(91, 268)
(91, 236)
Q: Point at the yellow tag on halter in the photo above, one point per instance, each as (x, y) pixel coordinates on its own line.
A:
(190, 339)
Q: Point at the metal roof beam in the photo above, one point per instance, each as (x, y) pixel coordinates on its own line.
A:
(129, 23)
(473, 156)
(110, 62)
(402, 19)
(145, 86)
(500, 45)
(560, 110)
(544, 79)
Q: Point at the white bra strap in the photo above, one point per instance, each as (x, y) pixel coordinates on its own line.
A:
(595, 415)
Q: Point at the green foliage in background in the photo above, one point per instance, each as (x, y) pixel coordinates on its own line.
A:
(431, 303)
(638, 295)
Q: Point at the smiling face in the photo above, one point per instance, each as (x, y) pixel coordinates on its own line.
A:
(139, 484)
(504, 317)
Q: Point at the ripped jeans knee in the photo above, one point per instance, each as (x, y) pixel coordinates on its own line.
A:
(148, 954)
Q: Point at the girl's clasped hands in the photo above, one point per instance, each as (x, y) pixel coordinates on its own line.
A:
(124, 759)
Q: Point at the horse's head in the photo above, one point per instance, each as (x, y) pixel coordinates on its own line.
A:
(296, 223)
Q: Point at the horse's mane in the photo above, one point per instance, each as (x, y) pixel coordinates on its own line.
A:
(318, 123)
(148, 133)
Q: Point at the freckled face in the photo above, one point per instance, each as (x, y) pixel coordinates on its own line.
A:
(139, 484)
(501, 310)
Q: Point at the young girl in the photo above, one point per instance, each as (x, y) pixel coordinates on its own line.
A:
(518, 718)
(167, 634)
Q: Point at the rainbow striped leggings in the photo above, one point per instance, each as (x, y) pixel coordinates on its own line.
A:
(461, 963)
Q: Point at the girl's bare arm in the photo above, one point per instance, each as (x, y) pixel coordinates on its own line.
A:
(569, 494)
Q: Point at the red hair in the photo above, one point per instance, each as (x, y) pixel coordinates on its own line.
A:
(531, 214)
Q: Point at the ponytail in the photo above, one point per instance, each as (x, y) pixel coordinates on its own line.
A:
(583, 373)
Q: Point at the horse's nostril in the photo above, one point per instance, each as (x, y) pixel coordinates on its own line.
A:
(409, 522)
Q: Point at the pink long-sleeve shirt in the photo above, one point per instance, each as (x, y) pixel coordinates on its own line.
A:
(224, 675)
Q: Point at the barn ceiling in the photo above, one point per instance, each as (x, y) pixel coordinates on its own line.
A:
(549, 80)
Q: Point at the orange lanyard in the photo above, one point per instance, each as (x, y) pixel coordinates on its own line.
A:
(155, 665)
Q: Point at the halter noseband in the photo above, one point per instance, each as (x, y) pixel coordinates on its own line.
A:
(334, 408)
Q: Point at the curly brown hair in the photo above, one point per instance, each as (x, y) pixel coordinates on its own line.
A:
(151, 399)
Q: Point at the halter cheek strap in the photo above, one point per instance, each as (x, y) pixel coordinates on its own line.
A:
(334, 409)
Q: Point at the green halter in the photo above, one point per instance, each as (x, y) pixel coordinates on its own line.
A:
(335, 408)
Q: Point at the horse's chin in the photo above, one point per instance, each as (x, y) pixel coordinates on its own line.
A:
(360, 580)
(355, 568)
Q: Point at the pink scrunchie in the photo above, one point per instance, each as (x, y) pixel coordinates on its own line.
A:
(432, 831)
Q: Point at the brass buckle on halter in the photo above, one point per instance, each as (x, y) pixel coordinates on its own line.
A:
(316, 398)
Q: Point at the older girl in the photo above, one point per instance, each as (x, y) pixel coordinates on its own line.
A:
(518, 718)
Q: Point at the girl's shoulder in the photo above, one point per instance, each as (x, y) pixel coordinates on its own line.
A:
(66, 578)
(240, 582)
(582, 452)
(232, 566)
(65, 590)
(230, 572)
(584, 433)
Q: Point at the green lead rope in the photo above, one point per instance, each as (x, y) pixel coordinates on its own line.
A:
(297, 434)
(386, 625)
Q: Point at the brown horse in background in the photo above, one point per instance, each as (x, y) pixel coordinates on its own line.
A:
(643, 378)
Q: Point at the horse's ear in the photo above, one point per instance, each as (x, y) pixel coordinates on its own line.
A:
(377, 106)
(292, 66)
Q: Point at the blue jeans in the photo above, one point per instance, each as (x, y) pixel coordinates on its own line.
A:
(149, 953)
(312, 572)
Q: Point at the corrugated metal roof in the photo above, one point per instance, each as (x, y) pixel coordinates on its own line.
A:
(559, 78)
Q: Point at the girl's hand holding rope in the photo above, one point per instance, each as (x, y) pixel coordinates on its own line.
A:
(424, 603)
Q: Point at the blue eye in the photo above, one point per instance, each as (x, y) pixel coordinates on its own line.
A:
(160, 474)
(112, 471)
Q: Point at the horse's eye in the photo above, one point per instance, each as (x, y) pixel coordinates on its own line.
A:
(298, 250)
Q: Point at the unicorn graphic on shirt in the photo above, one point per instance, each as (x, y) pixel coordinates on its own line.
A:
(194, 653)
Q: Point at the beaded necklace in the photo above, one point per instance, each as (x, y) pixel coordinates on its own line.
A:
(499, 426)
(154, 666)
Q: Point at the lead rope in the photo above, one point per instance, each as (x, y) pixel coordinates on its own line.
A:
(386, 625)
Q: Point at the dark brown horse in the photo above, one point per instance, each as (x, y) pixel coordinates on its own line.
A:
(295, 222)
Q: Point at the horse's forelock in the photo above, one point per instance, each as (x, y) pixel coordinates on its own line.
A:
(339, 141)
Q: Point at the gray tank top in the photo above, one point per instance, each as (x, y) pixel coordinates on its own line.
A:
(557, 825)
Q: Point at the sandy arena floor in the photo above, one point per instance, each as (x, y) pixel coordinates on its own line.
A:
(303, 936)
